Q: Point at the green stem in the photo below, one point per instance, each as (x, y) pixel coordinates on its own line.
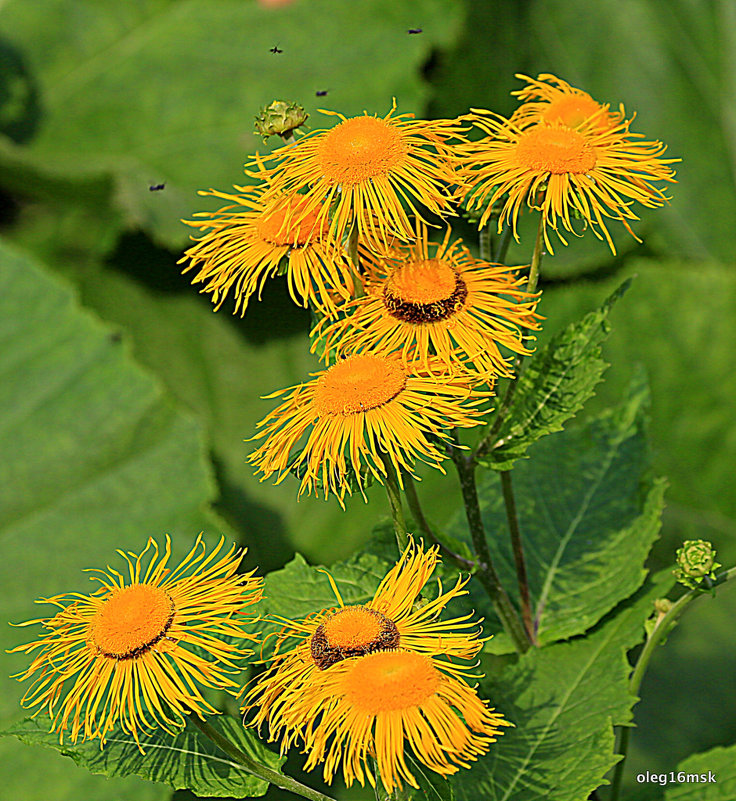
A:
(255, 768)
(512, 517)
(412, 499)
(355, 259)
(487, 443)
(485, 571)
(660, 631)
(394, 498)
(485, 250)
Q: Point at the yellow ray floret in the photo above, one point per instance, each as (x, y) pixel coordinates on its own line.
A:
(435, 303)
(361, 410)
(138, 650)
(550, 99)
(252, 240)
(588, 172)
(379, 706)
(372, 171)
(391, 619)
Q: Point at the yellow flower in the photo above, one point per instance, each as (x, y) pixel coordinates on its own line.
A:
(359, 410)
(373, 707)
(137, 650)
(430, 298)
(367, 169)
(293, 696)
(589, 172)
(245, 243)
(550, 99)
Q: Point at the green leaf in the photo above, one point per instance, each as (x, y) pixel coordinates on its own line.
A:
(589, 512)
(95, 457)
(138, 94)
(554, 385)
(185, 761)
(718, 763)
(563, 701)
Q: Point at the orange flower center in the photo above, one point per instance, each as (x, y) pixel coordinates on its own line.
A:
(572, 110)
(274, 228)
(131, 621)
(359, 149)
(555, 149)
(424, 292)
(387, 681)
(357, 384)
(352, 631)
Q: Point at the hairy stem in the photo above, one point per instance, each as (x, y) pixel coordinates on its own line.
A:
(512, 517)
(660, 631)
(412, 499)
(394, 499)
(485, 570)
(255, 768)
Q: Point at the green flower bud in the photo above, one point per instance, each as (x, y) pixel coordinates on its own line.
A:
(696, 560)
(280, 118)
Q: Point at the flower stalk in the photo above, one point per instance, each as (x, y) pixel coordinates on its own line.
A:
(256, 768)
(393, 491)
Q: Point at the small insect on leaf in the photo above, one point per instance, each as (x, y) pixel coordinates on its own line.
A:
(156, 187)
(276, 49)
(321, 92)
(414, 30)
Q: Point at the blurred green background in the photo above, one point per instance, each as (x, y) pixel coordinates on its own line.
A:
(99, 100)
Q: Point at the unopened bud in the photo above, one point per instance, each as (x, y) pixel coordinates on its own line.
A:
(696, 560)
(280, 119)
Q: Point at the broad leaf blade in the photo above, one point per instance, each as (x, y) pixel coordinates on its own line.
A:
(699, 770)
(563, 701)
(589, 512)
(554, 385)
(185, 761)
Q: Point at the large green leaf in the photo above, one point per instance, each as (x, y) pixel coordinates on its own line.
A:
(165, 91)
(185, 761)
(95, 458)
(589, 512)
(553, 387)
(705, 777)
(563, 701)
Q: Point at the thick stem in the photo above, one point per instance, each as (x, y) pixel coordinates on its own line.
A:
(660, 631)
(412, 499)
(255, 768)
(512, 517)
(487, 443)
(394, 498)
(484, 565)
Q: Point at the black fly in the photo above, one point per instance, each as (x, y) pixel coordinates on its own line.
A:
(321, 92)
(414, 30)
(276, 49)
(156, 187)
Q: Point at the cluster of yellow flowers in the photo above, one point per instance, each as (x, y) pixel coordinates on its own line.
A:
(357, 685)
(414, 329)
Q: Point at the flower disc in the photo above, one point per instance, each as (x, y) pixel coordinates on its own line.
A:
(571, 110)
(274, 230)
(132, 620)
(556, 150)
(424, 291)
(352, 631)
(387, 681)
(358, 384)
(359, 149)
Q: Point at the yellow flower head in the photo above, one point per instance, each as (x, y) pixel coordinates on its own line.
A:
(376, 707)
(293, 696)
(138, 649)
(364, 408)
(591, 172)
(430, 298)
(371, 171)
(245, 243)
(550, 99)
